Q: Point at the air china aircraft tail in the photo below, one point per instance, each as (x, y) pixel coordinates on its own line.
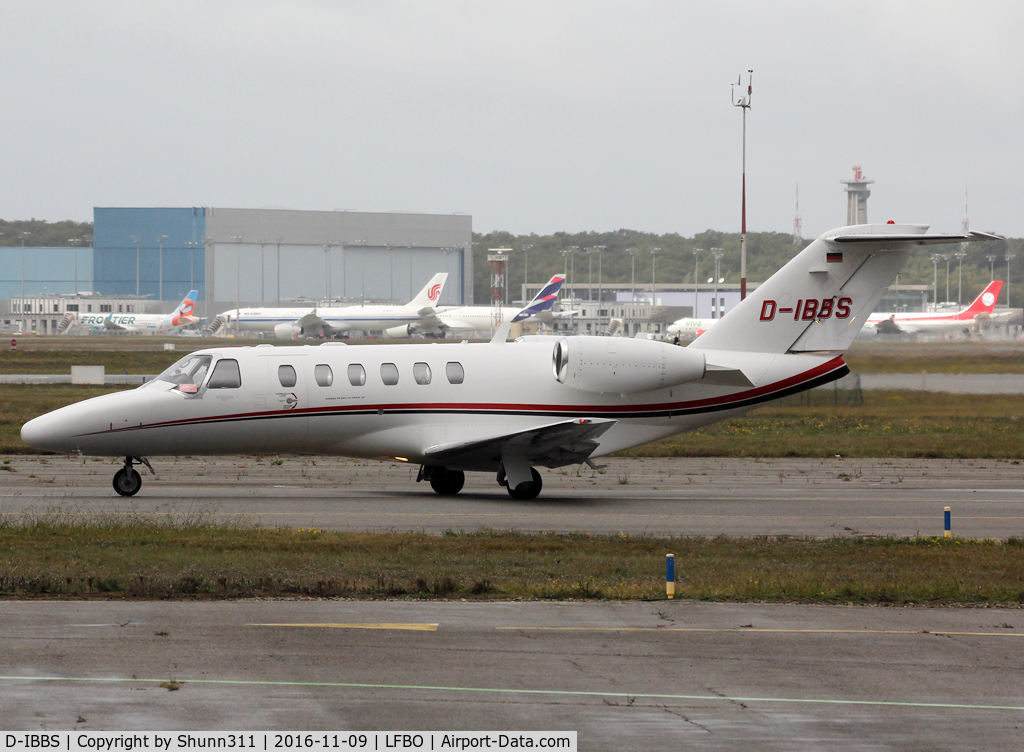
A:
(821, 299)
(985, 302)
(430, 294)
(543, 300)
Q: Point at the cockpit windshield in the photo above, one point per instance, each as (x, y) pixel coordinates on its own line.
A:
(190, 370)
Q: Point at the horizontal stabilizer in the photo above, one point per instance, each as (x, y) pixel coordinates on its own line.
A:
(569, 442)
(724, 376)
(895, 242)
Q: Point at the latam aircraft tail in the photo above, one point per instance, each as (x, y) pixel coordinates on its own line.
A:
(985, 302)
(430, 294)
(821, 299)
(543, 300)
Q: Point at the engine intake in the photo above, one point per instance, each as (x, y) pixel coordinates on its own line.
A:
(626, 366)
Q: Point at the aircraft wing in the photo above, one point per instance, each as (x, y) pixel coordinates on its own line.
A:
(312, 319)
(888, 326)
(569, 442)
(108, 324)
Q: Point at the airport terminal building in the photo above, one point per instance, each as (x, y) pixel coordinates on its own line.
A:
(250, 257)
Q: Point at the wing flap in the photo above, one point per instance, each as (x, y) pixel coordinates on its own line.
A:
(569, 442)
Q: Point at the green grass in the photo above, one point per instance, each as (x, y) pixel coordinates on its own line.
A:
(888, 424)
(132, 557)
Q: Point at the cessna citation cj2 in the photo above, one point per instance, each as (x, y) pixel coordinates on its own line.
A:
(498, 407)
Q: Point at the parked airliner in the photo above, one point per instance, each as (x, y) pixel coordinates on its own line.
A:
(939, 322)
(499, 407)
(689, 327)
(484, 318)
(294, 322)
(143, 322)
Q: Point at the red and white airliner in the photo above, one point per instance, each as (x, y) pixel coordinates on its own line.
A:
(939, 322)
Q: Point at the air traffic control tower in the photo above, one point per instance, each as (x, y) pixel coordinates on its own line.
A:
(857, 193)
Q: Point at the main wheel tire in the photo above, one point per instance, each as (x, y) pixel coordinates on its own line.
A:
(447, 482)
(127, 481)
(529, 489)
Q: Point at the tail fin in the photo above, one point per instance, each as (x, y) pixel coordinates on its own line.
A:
(820, 300)
(431, 292)
(543, 300)
(182, 315)
(985, 302)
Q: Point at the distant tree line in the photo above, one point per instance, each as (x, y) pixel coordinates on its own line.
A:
(43, 234)
(767, 252)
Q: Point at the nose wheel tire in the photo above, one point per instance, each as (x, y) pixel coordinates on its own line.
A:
(529, 489)
(127, 481)
(447, 482)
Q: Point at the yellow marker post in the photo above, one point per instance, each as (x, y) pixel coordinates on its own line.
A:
(670, 576)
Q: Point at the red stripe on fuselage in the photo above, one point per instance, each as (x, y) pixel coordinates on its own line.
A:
(491, 407)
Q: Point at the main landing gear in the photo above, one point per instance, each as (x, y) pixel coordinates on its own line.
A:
(127, 480)
(444, 481)
(448, 482)
(526, 490)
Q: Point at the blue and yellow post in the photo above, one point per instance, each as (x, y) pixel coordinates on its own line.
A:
(949, 524)
(670, 576)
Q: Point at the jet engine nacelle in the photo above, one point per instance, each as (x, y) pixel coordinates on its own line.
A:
(287, 331)
(626, 366)
(398, 332)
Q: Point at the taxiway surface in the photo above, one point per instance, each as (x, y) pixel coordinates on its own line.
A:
(638, 676)
(700, 496)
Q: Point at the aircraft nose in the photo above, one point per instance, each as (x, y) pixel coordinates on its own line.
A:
(51, 432)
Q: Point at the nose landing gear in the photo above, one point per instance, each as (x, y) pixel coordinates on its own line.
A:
(127, 480)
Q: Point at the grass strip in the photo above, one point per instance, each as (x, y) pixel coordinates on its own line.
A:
(126, 556)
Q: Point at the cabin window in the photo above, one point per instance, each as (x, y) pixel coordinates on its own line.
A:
(455, 373)
(356, 374)
(324, 375)
(225, 375)
(189, 370)
(389, 373)
(286, 375)
(421, 372)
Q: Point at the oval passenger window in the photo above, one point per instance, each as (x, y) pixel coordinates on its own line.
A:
(324, 375)
(286, 375)
(455, 373)
(356, 375)
(421, 372)
(389, 373)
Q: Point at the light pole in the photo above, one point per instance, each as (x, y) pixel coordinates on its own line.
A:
(526, 269)
(632, 275)
(1009, 257)
(327, 260)
(74, 244)
(191, 245)
(160, 242)
(960, 284)
(237, 239)
(277, 286)
(991, 267)
(572, 275)
(743, 102)
(946, 257)
(590, 274)
(138, 243)
(696, 264)
(935, 279)
(717, 253)
(23, 234)
(600, 286)
(654, 276)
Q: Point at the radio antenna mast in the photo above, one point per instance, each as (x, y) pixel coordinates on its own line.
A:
(743, 102)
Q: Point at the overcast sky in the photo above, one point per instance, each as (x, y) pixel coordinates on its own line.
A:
(530, 116)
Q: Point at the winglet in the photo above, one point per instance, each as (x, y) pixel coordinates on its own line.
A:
(501, 333)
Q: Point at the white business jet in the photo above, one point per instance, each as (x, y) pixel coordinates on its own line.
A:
(291, 323)
(143, 322)
(499, 407)
(484, 318)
